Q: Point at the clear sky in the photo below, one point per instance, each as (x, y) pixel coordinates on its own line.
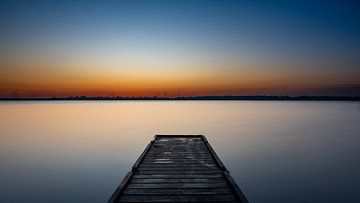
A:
(185, 47)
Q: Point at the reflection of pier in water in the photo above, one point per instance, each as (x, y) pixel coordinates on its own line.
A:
(178, 168)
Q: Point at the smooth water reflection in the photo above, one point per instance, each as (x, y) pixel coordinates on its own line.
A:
(276, 151)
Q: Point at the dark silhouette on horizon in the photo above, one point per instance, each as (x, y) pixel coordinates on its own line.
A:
(209, 97)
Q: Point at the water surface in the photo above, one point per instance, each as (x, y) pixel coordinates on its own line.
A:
(277, 151)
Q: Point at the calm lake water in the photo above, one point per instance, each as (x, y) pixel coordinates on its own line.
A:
(276, 151)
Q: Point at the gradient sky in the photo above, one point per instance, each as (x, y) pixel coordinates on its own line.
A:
(204, 47)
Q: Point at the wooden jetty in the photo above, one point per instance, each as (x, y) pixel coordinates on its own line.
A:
(178, 168)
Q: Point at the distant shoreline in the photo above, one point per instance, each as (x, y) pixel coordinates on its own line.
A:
(206, 98)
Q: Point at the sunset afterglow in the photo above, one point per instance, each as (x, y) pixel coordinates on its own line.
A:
(178, 48)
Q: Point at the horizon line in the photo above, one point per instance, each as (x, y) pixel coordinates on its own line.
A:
(200, 97)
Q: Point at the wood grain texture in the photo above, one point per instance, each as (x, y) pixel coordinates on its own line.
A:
(181, 168)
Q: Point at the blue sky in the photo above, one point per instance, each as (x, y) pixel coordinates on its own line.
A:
(320, 37)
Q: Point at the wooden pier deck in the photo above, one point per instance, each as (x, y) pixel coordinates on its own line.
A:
(178, 168)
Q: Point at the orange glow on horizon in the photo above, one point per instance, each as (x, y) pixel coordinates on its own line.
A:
(29, 77)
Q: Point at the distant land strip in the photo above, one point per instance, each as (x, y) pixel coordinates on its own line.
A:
(225, 97)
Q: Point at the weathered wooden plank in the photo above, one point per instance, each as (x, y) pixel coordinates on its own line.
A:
(178, 166)
(179, 169)
(172, 153)
(178, 162)
(167, 153)
(187, 147)
(178, 172)
(178, 185)
(177, 152)
(178, 180)
(182, 191)
(183, 166)
(174, 165)
(181, 151)
(184, 158)
(183, 176)
(180, 155)
(169, 168)
(179, 158)
(181, 161)
(177, 198)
